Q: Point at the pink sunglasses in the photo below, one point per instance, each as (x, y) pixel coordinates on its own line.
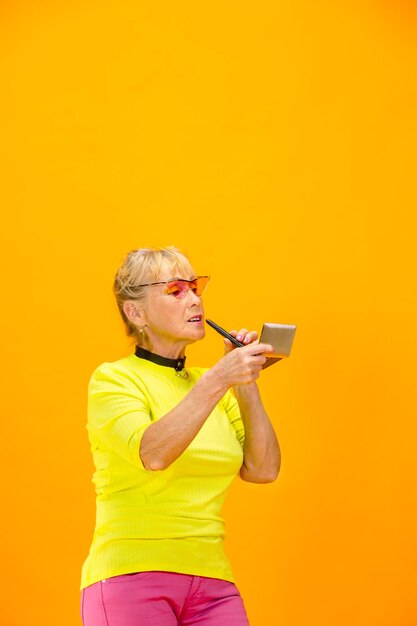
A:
(178, 287)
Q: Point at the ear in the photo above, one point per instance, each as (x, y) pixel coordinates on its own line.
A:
(134, 313)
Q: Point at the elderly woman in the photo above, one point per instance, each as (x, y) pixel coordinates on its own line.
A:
(167, 442)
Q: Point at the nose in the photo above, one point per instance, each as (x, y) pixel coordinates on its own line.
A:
(193, 297)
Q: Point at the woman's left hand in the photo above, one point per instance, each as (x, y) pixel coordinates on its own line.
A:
(243, 335)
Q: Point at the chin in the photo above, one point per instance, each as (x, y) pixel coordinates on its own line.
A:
(198, 334)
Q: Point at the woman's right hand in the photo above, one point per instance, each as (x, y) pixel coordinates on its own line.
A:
(241, 366)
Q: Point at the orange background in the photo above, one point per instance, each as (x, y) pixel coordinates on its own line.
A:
(276, 144)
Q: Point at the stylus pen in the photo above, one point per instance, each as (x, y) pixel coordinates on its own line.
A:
(223, 332)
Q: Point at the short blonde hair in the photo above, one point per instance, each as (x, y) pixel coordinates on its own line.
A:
(144, 266)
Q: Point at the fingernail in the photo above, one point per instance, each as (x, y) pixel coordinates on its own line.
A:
(239, 337)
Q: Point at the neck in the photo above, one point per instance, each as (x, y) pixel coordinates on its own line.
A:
(176, 351)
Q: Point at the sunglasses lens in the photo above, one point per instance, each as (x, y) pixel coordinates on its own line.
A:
(200, 284)
(179, 288)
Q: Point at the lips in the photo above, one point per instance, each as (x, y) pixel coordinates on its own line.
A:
(195, 318)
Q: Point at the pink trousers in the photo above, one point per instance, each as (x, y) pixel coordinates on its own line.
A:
(162, 599)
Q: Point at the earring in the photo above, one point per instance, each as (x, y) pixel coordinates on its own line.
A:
(141, 335)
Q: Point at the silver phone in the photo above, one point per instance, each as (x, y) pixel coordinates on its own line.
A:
(281, 337)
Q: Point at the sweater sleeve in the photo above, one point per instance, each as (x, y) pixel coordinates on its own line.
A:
(118, 413)
(233, 412)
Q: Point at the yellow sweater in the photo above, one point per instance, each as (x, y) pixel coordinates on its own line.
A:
(167, 520)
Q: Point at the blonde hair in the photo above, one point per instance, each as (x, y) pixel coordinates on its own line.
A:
(144, 266)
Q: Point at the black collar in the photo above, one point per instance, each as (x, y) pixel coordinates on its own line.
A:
(177, 364)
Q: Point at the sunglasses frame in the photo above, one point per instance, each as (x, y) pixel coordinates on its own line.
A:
(183, 280)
